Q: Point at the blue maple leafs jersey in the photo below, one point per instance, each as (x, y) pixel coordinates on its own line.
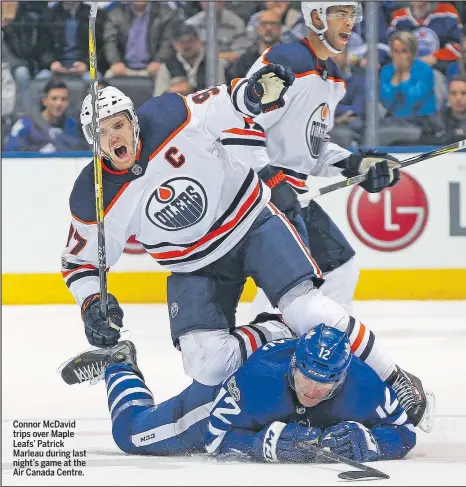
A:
(259, 393)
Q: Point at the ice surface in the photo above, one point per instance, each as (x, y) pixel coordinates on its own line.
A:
(426, 338)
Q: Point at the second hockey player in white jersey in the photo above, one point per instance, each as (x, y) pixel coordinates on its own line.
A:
(204, 215)
(299, 146)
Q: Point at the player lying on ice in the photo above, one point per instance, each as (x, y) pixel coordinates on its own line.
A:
(289, 393)
(203, 214)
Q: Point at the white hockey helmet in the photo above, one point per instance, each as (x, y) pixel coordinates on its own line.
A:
(110, 102)
(322, 7)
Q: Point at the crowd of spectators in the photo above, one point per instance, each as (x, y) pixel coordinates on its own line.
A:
(149, 48)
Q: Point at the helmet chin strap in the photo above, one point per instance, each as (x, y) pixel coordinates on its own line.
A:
(327, 44)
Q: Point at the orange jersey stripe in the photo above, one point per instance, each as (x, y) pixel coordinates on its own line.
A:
(245, 132)
(252, 340)
(291, 227)
(359, 338)
(446, 54)
(224, 228)
(295, 182)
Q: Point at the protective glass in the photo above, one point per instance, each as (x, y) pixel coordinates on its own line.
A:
(355, 15)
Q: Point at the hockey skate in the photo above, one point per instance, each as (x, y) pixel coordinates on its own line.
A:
(418, 403)
(90, 365)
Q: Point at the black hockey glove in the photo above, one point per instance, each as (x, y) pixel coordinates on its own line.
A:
(99, 332)
(266, 88)
(381, 169)
(283, 196)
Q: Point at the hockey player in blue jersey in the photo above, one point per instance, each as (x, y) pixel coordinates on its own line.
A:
(289, 393)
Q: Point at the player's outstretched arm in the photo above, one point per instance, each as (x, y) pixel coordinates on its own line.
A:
(390, 437)
(362, 444)
(242, 425)
(277, 442)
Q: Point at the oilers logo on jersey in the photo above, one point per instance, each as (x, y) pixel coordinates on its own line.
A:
(428, 41)
(316, 128)
(178, 203)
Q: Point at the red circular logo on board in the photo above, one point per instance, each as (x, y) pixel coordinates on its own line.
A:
(133, 246)
(392, 219)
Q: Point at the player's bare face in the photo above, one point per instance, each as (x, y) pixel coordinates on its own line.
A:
(116, 140)
(308, 391)
(340, 22)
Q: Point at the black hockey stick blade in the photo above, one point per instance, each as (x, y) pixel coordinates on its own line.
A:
(363, 475)
(365, 472)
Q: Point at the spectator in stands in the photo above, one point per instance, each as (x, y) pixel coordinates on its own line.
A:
(407, 85)
(269, 30)
(460, 66)
(188, 8)
(50, 130)
(137, 38)
(179, 85)
(231, 31)
(455, 113)
(243, 9)
(349, 114)
(188, 62)
(293, 27)
(406, 92)
(450, 125)
(63, 41)
(437, 26)
(19, 34)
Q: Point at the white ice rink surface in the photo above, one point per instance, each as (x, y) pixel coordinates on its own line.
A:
(426, 338)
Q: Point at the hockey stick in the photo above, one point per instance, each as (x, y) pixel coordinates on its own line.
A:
(365, 472)
(362, 177)
(99, 198)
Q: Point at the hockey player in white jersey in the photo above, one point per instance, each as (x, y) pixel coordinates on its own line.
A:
(298, 146)
(203, 214)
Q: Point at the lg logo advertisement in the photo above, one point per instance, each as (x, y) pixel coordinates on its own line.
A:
(391, 220)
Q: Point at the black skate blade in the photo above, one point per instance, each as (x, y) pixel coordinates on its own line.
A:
(373, 474)
(69, 377)
(67, 367)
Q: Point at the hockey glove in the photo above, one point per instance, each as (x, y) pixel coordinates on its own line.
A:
(381, 169)
(99, 332)
(278, 442)
(283, 196)
(266, 88)
(351, 440)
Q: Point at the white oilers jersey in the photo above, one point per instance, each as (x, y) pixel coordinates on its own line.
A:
(188, 199)
(297, 139)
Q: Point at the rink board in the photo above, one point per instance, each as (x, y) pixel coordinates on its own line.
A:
(410, 240)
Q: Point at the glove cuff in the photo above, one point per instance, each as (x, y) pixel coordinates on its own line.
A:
(276, 179)
(252, 98)
(88, 301)
(269, 443)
